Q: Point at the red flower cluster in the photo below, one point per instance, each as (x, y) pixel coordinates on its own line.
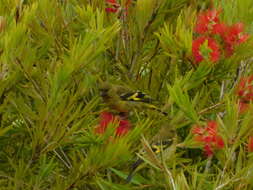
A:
(196, 44)
(232, 36)
(207, 21)
(210, 28)
(208, 135)
(123, 126)
(250, 144)
(115, 6)
(245, 92)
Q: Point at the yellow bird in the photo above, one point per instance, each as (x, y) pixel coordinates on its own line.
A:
(123, 100)
(163, 141)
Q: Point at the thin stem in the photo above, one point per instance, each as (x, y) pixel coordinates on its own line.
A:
(210, 108)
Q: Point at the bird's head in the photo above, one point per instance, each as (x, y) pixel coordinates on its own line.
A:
(104, 88)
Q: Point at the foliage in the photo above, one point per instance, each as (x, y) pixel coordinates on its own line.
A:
(53, 57)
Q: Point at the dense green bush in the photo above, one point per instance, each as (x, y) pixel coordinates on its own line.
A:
(53, 57)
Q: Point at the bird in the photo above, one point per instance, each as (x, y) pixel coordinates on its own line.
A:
(124, 100)
(163, 141)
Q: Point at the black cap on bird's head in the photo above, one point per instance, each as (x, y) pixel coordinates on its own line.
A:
(103, 93)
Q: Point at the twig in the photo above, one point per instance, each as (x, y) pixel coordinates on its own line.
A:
(59, 156)
(224, 184)
(240, 70)
(171, 178)
(225, 166)
(222, 90)
(36, 86)
(142, 40)
(66, 157)
(210, 108)
(208, 164)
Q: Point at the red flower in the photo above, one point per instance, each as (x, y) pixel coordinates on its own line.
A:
(206, 21)
(244, 92)
(106, 118)
(111, 1)
(245, 88)
(250, 144)
(198, 130)
(212, 128)
(115, 6)
(123, 128)
(208, 150)
(208, 135)
(219, 142)
(220, 29)
(214, 55)
(243, 107)
(111, 10)
(233, 36)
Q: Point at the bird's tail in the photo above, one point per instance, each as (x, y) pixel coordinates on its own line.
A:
(131, 173)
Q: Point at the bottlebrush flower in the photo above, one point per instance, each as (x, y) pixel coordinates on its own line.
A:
(244, 92)
(213, 54)
(250, 144)
(105, 119)
(243, 106)
(233, 36)
(111, 1)
(207, 21)
(208, 24)
(115, 6)
(208, 135)
(245, 88)
(123, 126)
(220, 29)
(111, 10)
